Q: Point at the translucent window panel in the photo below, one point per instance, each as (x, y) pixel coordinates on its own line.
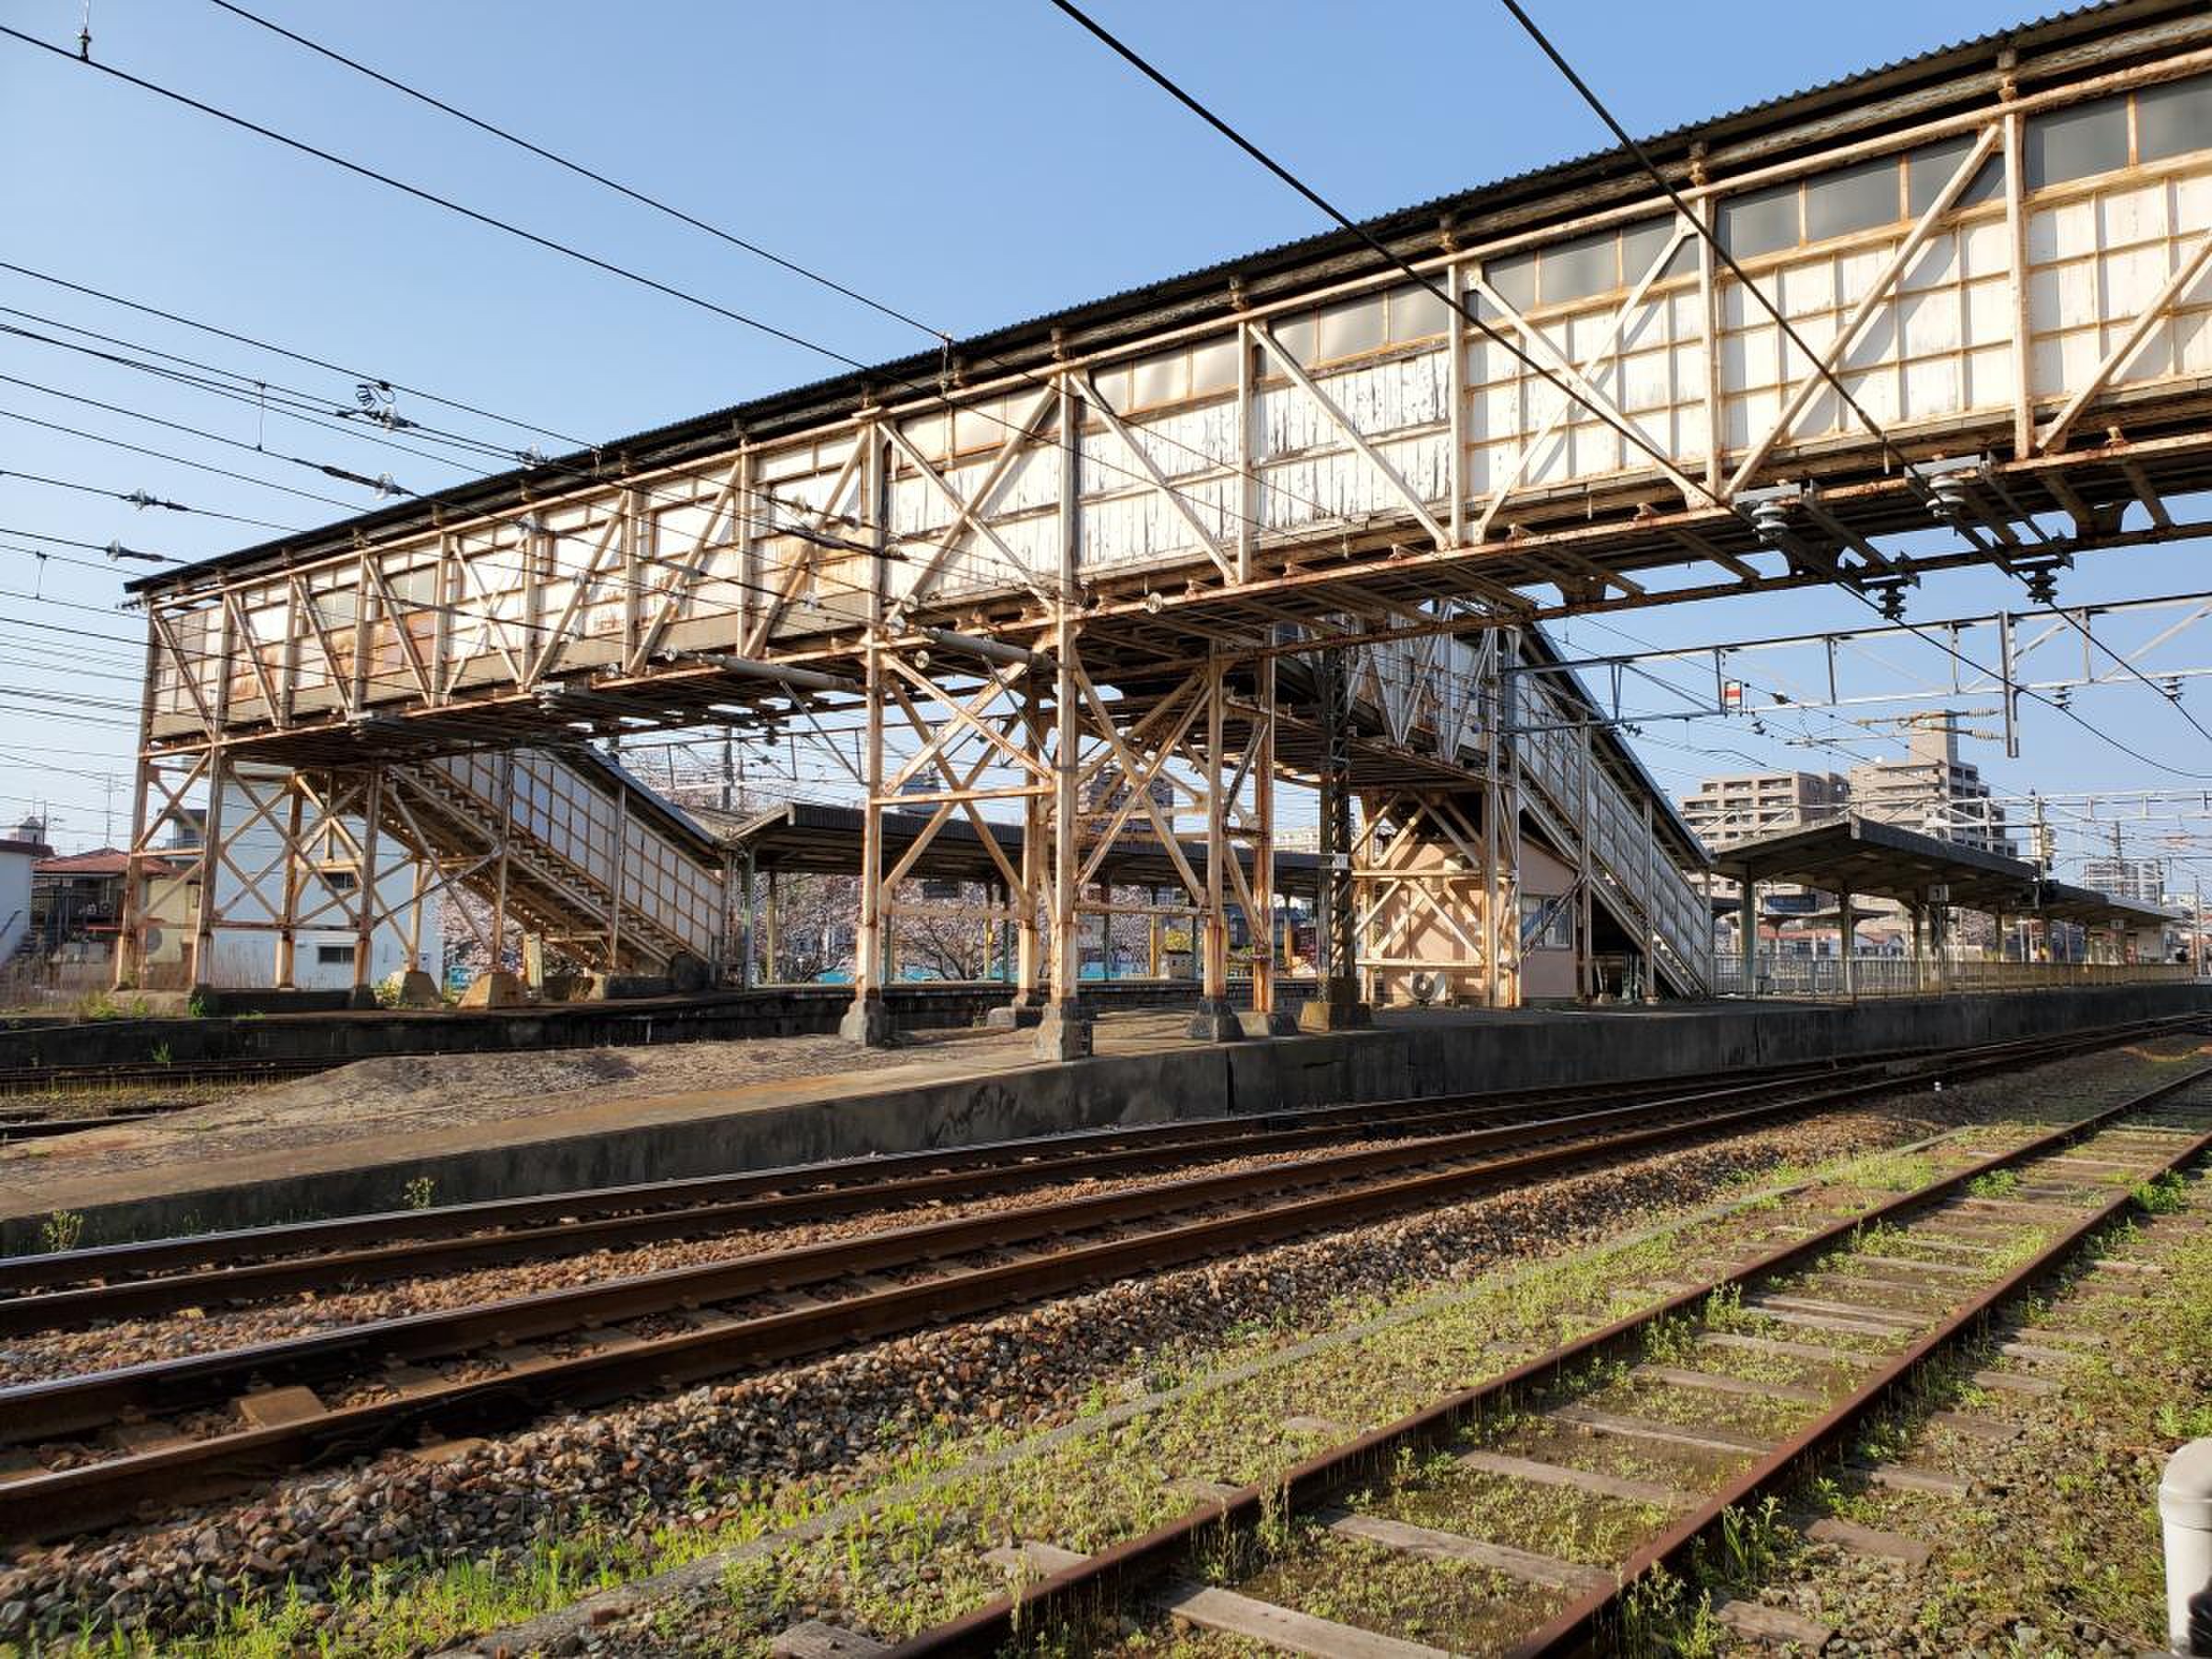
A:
(1160, 380)
(1855, 198)
(1575, 270)
(1417, 314)
(1214, 368)
(2173, 120)
(1113, 386)
(1759, 222)
(1296, 336)
(2072, 144)
(1640, 244)
(1929, 169)
(1351, 328)
(418, 586)
(1514, 277)
(979, 428)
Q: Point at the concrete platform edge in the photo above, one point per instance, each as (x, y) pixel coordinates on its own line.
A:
(1401, 1058)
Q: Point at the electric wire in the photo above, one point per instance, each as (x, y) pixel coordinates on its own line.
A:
(1159, 78)
(578, 169)
(1652, 170)
(219, 472)
(936, 393)
(138, 499)
(943, 337)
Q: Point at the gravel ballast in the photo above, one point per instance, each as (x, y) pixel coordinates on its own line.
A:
(767, 1449)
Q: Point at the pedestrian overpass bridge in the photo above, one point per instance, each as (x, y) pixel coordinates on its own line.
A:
(1296, 516)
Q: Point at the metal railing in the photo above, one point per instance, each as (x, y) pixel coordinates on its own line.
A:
(1648, 889)
(1822, 977)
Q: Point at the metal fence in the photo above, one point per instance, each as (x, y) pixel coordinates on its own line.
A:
(1898, 976)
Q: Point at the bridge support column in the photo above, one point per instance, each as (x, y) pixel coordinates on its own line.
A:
(1847, 928)
(868, 1020)
(1025, 887)
(288, 917)
(1339, 1008)
(1064, 1031)
(1216, 1020)
(1747, 927)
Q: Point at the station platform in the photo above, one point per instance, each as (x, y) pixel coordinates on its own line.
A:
(459, 1128)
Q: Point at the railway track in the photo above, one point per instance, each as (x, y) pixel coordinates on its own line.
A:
(47, 1079)
(127, 1281)
(120, 1280)
(307, 1400)
(22, 1127)
(540, 1223)
(1694, 1412)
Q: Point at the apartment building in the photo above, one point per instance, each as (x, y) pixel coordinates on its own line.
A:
(2140, 879)
(1932, 791)
(1726, 810)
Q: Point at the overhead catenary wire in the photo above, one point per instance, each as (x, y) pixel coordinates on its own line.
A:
(1159, 78)
(1470, 315)
(944, 339)
(312, 410)
(1696, 223)
(209, 467)
(140, 499)
(578, 168)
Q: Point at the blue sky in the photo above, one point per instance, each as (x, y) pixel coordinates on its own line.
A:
(970, 163)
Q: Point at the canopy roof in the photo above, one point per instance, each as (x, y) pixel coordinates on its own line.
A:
(817, 837)
(1866, 857)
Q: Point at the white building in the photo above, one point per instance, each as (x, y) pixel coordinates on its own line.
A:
(250, 900)
(2140, 879)
(24, 846)
(1740, 806)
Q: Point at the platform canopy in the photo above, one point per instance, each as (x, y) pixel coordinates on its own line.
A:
(1871, 859)
(818, 838)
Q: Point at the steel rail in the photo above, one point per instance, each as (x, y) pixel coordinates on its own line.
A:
(1570, 1628)
(33, 1411)
(34, 1080)
(53, 1128)
(137, 1298)
(72, 1500)
(107, 1262)
(1119, 1571)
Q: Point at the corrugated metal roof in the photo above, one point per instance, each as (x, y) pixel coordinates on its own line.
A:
(922, 369)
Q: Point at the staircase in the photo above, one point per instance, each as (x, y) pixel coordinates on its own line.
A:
(604, 868)
(1573, 798)
(1423, 691)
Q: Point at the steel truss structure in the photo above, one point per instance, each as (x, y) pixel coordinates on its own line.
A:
(2003, 251)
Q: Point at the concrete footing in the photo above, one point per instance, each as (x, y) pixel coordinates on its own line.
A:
(419, 989)
(1280, 1023)
(1215, 1022)
(498, 989)
(868, 1023)
(1064, 1033)
(1331, 1014)
(1013, 1016)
